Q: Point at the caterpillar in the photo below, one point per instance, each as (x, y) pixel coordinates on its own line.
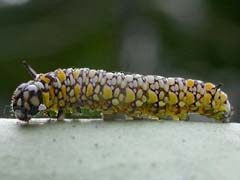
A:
(135, 95)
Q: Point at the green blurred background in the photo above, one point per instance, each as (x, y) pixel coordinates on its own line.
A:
(190, 38)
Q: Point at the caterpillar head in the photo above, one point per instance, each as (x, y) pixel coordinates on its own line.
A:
(222, 107)
(27, 100)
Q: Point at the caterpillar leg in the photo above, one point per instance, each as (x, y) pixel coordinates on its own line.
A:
(29, 69)
(60, 115)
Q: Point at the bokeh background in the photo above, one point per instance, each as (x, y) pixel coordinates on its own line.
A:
(190, 38)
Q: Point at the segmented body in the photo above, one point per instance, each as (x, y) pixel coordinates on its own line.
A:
(135, 95)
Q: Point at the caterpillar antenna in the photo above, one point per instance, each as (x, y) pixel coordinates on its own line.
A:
(29, 69)
(219, 85)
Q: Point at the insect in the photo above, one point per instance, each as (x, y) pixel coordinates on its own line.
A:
(137, 96)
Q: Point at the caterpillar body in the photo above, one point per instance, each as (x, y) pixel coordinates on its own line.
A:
(135, 95)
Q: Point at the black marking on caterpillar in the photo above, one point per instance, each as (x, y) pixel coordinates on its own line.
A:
(135, 95)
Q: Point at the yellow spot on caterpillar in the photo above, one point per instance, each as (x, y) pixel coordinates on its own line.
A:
(77, 90)
(189, 98)
(46, 101)
(130, 96)
(172, 98)
(152, 97)
(190, 83)
(209, 86)
(61, 103)
(55, 104)
(207, 98)
(107, 92)
(223, 97)
(76, 73)
(115, 102)
(89, 90)
(45, 79)
(64, 91)
(223, 108)
(139, 103)
(61, 75)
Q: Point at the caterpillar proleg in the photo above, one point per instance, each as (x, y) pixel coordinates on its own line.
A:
(134, 95)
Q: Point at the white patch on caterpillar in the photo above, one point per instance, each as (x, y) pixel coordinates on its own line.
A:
(46, 86)
(26, 95)
(92, 73)
(130, 84)
(171, 81)
(69, 70)
(109, 75)
(34, 101)
(140, 81)
(135, 83)
(19, 102)
(166, 87)
(68, 89)
(97, 89)
(32, 87)
(150, 79)
(159, 77)
(42, 107)
(80, 81)
(124, 83)
(67, 82)
(71, 93)
(161, 83)
(103, 81)
(152, 86)
(95, 80)
(114, 81)
(119, 79)
(39, 85)
(228, 107)
(23, 85)
(137, 76)
(72, 80)
(129, 78)
(176, 87)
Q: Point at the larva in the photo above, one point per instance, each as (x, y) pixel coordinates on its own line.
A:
(135, 95)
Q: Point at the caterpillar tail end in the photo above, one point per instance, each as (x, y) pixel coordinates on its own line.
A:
(224, 113)
(228, 113)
